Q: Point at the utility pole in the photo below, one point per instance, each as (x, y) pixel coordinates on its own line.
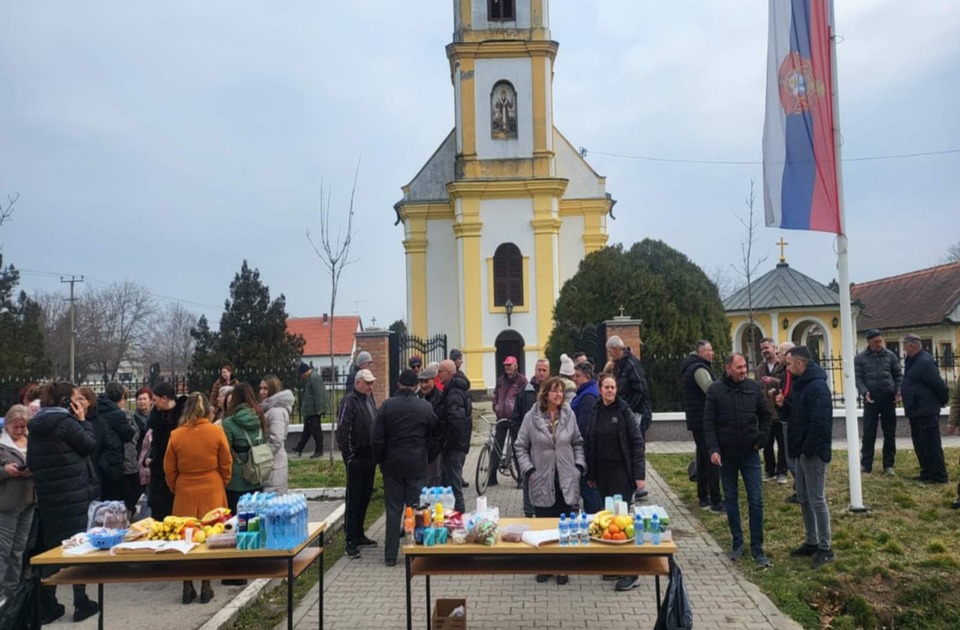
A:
(73, 325)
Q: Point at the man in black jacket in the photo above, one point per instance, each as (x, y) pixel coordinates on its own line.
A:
(878, 383)
(631, 381)
(526, 400)
(924, 393)
(400, 447)
(736, 423)
(455, 411)
(696, 378)
(117, 432)
(811, 435)
(355, 437)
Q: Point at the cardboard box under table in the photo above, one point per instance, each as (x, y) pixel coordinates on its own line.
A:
(522, 559)
(200, 563)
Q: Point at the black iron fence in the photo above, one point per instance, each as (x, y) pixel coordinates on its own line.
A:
(403, 346)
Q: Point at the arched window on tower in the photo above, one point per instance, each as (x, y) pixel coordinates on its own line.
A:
(507, 275)
(503, 111)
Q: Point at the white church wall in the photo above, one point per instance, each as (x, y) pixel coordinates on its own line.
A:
(443, 299)
(583, 182)
(571, 250)
(479, 16)
(519, 73)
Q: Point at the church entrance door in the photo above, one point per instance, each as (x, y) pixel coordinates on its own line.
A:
(510, 344)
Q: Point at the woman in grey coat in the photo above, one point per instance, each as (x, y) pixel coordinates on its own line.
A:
(549, 449)
(277, 403)
(16, 498)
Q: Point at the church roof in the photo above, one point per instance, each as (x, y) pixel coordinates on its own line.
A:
(783, 287)
(927, 297)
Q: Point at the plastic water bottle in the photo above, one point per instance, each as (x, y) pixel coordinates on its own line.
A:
(448, 499)
(584, 529)
(424, 497)
(655, 529)
(638, 529)
(564, 531)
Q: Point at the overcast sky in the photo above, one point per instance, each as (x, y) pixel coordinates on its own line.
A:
(165, 142)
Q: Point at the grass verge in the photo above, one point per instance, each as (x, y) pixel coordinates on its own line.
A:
(898, 566)
(271, 607)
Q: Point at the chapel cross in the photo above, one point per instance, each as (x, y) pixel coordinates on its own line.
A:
(621, 310)
(782, 244)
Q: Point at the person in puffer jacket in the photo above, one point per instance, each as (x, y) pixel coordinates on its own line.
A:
(277, 403)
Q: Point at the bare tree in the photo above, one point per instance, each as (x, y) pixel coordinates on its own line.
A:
(725, 281)
(952, 254)
(7, 212)
(334, 253)
(113, 323)
(169, 342)
(55, 326)
(748, 266)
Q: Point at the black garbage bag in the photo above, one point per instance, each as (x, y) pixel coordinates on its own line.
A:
(675, 612)
(17, 613)
(692, 471)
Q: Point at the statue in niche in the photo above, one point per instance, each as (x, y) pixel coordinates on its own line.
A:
(503, 112)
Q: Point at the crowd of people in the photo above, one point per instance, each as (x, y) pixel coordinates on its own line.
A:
(65, 447)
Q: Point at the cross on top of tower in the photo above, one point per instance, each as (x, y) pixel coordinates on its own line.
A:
(782, 244)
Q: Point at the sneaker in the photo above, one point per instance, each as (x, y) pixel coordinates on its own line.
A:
(352, 552)
(804, 550)
(763, 562)
(562, 579)
(889, 472)
(769, 477)
(823, 557)
(782, 480)
(705, 504)
(736, 553)
(465, 485)
(627, 583)
(792, 498)
(85, 609)
(53, 614)
(541, 578)
(366, 542)
(390, 562)
(718, 508)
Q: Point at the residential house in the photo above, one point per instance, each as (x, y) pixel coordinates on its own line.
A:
(317, 349)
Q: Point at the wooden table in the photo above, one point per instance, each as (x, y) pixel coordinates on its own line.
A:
(520, 558)
(200, 563)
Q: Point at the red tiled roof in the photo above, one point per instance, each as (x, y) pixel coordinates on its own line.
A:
(919, 298)
(316, 334)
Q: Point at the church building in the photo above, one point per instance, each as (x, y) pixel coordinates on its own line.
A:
(506, 208)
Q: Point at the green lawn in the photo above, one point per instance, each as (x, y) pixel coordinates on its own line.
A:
(898, 566)
(271, 608)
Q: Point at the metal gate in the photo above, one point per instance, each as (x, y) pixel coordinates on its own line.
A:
(403, 346)
(592, 341)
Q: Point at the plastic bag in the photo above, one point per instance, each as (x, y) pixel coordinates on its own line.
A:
(17, 612)
(111, 514)
(675, 612)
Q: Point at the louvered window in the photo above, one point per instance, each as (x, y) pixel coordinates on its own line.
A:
(507, 275)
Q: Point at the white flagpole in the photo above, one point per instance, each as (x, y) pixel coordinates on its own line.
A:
(848, 332)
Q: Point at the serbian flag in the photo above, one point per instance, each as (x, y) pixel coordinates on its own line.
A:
(799, 155)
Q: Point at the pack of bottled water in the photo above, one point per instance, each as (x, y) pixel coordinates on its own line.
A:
(437, 494)
(283, 519)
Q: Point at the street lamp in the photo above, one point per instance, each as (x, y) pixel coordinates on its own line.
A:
(508, 307)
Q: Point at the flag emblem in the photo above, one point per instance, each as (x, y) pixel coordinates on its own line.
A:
(799, 88)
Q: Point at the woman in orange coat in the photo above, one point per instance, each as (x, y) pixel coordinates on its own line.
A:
(198, 466)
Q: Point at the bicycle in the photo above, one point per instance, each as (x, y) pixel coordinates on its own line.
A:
(508, 462)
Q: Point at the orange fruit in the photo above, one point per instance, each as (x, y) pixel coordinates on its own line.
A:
(613, 529)
(619, 536)
(606, 535)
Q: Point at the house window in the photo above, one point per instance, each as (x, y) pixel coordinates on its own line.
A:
(501, 10)
(894, 347)
(507, 275)
(946, 355)
(329, 374)
(927, 344)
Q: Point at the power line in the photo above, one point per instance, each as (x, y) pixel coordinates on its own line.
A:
(652, 158)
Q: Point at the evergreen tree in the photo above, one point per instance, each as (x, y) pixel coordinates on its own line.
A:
(656, 283)
(253, 336)
(22, 355)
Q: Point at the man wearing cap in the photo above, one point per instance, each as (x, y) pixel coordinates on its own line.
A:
(455, 411)
(924, 392)
(355, 437)
(631, 381)
(363, 362)
(878, 382)
(415, 363)
(509, 384)
(313, 406)
(429, 392)
(400, 432)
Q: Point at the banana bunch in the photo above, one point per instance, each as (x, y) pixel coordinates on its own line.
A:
(171, 528)
(601, 520)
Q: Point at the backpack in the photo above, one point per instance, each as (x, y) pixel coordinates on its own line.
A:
(259, 464)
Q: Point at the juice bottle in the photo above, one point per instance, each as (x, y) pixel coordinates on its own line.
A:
(408, 527)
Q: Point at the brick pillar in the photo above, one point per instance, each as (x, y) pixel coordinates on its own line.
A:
(377, 343)
(627, 329)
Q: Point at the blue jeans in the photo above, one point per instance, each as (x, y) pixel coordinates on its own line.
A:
(749, 467)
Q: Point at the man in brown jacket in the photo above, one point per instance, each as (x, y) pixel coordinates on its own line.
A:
(770, 376)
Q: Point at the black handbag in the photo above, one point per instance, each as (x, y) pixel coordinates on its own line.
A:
(675, 612)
